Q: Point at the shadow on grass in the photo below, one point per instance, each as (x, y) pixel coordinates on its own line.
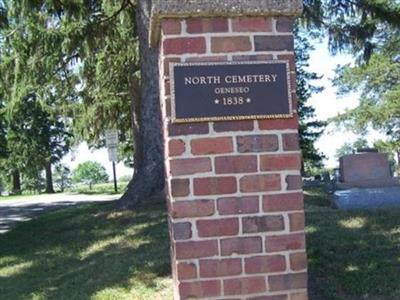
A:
(79, 252)
(353, 254)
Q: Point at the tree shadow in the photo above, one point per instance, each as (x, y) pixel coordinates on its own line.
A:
(75, 253)
(354, 254)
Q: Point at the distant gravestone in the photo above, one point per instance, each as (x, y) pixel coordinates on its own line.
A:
(368, 169)
(366, 182)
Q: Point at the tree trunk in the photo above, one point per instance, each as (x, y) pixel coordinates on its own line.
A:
(16, 179)
(148, 179)
(49, 179)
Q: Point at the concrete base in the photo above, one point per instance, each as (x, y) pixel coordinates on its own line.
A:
(372, 183)
(367, 198)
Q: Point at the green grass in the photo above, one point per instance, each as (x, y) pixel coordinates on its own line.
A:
(101, 188)
(352, 255)
(18, 197)
(89, 252)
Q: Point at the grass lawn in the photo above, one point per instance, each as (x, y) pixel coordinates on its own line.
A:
(16, 197)
(97, 189)
(89, 252)
(352, 255)
(101, 188)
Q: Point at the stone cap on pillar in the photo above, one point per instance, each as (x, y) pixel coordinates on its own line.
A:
(162, 9)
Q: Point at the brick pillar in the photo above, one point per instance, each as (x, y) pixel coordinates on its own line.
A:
(234, 187)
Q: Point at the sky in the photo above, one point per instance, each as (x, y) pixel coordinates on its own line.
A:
(327, 104)
(82, 153)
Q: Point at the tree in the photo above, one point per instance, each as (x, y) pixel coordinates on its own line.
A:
(62, 177)
(310, 129)
(351, 148)
(37, 134)
(89, 173)
(84, 34)
(376, 77)
(35, 139)
(99, 40)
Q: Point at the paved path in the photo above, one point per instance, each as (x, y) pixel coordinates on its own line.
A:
(13, 211)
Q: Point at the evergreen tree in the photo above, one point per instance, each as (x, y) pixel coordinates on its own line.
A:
(98, 42)
(33, 88)
(35, 139)
(310, 129)
(376, 75)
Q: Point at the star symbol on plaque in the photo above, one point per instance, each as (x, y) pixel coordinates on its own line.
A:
(216, 101)
(248, 100)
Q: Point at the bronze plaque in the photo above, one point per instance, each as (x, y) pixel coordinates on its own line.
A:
(230, 91)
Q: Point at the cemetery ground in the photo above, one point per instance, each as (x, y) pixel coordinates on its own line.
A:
(93, 252)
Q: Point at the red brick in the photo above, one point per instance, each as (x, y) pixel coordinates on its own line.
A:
(297, 221)
(284, 24)
(287, 282)
(290, 58)
(280, 162)
(239, 205)
(187, 129)
(260, 183)
(167, 62)
(294, 182)
(214, 186)
(293, 81)
(190, 166)
(200, 289)
(167, 85)
(220, 227)
(244, 245)
(272, 124)
(295, 100)
(230, 44)
(236, 164)
(285, 242)
(298, 261)
(182, 231)
(252, 24)
(188, 250)
(263, 224)
(283, 202)
(180, 187)
(220, 268)
(200, 25)
(205, 146)
(265, 264)
(184, 45)
(233, 126)
(290, 142)
(274, 43)
(171, 26)
(167, 102)
(299, 296)
(186, 271)
(176, 147)
(274, 297)
(244, 286)
(192, 209)
(260, 57)
(257, 143)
